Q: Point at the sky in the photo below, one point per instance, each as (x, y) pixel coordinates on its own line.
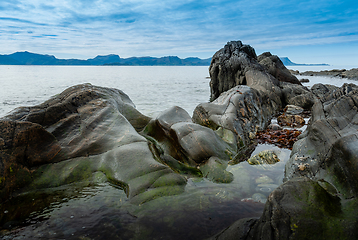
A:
(314, 31)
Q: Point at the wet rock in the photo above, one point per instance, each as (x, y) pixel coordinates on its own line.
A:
(266, 187)
(286, 211)
(174, 134)
(274, 127)
(304, 80)
(241, 110)
(297, 95)
(259, 197)
(263, 179)
(291, 120)
(264, 157)
(275, 67)
(328, 146)
(343, 73)
(293, 110)
(76, 134)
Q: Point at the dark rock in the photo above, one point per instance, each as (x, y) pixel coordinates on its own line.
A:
(304, 80)
(236, 64)
(298, 209)
(327, 148)
(298, 95)
(275, 67)
(342, 73)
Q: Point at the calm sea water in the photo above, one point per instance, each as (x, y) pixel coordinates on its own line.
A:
(102, 211)
(152, 89)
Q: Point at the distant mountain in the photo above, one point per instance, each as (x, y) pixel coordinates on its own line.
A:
(287, 62)
(27, 58)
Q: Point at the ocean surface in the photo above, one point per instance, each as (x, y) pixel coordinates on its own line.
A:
(151, 88)
(103, 211)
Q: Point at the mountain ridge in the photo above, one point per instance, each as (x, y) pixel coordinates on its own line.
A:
(28, 58)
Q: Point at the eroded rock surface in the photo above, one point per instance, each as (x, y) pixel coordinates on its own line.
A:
(84, 132)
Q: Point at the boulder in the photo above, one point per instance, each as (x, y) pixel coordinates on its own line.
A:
(318, 198)
(275, 67)
(293, 110)
(298, 209)
(174, 133)
(289, 120)
(236, 64)
(241, 111)
(297, 95)
(76, 135)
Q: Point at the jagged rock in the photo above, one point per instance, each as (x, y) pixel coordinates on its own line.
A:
(275, 67)
(327, 148)
(236, 64)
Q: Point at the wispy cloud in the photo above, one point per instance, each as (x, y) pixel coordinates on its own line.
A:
(183, 28)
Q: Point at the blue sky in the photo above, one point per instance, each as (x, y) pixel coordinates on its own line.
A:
(319, 31)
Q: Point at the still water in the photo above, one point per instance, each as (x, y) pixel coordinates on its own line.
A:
(152, 89)
(102, 211)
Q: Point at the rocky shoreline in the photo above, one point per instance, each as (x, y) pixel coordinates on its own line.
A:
(95, 134)
(341, 73)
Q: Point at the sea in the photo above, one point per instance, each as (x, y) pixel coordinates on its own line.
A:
(103, 211)
(151, 88)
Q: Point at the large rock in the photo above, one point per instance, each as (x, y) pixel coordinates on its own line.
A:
(328, 147)
(240, 112)
(318, 199)
(175, 138)
(82, 133)
(298, 209)
(275, 67)
(236, 64)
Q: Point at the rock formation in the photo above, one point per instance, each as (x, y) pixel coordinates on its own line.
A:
(95, 134)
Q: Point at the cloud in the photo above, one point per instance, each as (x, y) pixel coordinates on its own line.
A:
(184, 28)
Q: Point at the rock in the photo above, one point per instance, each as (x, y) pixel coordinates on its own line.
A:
(304, 80)
(78, 133)
(321, 89)
(297, 95)
(285, 216)
(264, 157)
(327, 148)
(274, 127)
(275, 67)
(266, 187)
(241, 110)
(258, 197)
(263, 179)
(236, 64)
(291, 120)
(342, 73)
(293, 110)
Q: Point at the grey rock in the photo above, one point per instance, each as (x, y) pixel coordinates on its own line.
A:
(275, 67)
